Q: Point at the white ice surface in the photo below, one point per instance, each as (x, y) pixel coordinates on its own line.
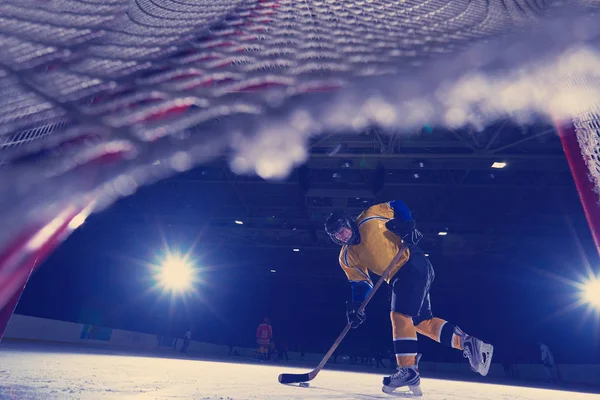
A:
(41, 372)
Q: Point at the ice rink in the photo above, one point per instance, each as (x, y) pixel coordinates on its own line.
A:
(31, 371)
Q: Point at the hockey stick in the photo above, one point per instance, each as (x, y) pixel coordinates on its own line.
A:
(297, 378)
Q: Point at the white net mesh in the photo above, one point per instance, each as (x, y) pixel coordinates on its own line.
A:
(102, 96)
(588, 136)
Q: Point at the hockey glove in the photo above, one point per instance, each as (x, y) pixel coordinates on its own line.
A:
(405, 230)
(354, 317)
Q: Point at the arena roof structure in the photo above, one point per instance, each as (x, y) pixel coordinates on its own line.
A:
(487, 190)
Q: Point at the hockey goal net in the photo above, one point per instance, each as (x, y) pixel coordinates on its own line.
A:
(581, 143)
(102, 96)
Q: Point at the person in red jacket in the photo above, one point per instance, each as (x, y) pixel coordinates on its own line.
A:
(264, 333)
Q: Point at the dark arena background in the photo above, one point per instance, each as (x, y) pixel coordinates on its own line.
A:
(166, 169)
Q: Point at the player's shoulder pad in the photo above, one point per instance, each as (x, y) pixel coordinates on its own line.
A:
(379, 210)
(400, 210)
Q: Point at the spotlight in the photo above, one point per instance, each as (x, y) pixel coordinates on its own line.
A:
(175, 273)
(590, 292)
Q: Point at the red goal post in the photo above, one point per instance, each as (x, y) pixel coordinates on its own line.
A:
(581, 144)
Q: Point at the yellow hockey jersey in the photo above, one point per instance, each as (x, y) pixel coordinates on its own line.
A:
(377, 247)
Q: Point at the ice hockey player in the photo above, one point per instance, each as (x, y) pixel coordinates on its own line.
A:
(369, 243)
(264, 334)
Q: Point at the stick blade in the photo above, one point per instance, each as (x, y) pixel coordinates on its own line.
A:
(293, 378)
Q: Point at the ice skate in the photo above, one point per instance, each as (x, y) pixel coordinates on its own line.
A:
(478, 353)
(406, 376)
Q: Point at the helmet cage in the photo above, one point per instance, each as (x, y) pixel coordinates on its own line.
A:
(333, 226)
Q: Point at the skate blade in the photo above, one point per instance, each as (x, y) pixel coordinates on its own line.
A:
(488, 350)
(413, 391)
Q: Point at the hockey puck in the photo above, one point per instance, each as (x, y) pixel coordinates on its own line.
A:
(304, 384)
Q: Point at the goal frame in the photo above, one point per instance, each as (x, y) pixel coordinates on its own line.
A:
(589, 194)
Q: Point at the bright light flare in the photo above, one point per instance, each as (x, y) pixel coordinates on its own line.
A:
(590, 292)
(175, 273)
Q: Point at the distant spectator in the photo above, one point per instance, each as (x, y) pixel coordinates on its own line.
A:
(231, 344)
(549, 364)
(264, 334)
(186, 341)
(271, 351)
(379, 359)
(283, 351)
(506, 358)
(509, 369)
(392, 357)
(506, 367)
